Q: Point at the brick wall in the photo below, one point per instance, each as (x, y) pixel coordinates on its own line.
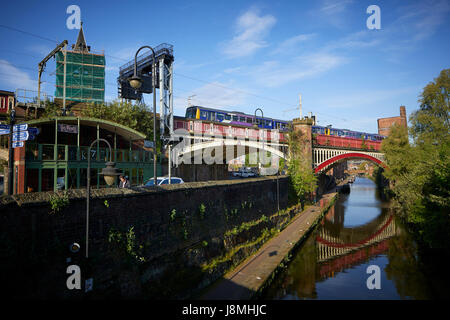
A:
(385, 124)
(34, 242)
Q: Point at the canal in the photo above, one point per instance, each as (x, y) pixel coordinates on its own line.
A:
(359, 231)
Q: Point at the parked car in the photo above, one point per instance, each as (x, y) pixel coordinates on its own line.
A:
(247, 172)
(237, 173)
(163, 180)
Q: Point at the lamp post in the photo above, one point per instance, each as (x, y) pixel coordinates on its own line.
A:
(11, 152)
(136, 82)
(109, 173)
(256, 124)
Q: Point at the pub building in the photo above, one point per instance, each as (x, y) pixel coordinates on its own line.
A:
(56, 159)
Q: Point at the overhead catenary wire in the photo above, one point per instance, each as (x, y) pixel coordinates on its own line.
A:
(179, 74)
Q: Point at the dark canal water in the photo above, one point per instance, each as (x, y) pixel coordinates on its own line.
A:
(359, 231)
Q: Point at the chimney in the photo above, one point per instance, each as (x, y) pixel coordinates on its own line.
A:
(404, 121)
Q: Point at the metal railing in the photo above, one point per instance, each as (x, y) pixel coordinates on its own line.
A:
(29, 97)
(163, 48)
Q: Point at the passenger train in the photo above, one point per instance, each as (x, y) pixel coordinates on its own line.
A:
(346, 133)
(240, 118)
(235, 117)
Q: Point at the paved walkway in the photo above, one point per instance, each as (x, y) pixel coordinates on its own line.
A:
(245, 280)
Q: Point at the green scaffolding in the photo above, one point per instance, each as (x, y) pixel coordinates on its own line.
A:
(85, 76)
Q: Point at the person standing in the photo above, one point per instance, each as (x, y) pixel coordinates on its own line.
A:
(124, 183)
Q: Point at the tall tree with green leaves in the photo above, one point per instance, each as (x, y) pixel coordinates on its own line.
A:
(419, 164)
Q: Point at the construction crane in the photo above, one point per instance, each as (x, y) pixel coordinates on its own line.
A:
(41, 67)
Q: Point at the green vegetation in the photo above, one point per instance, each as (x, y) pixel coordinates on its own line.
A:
(173, 214)
(420, 170)
(301, 176)
(201, 211)
(135, 116)
(228, 257)
(125, 247)
(58, 202)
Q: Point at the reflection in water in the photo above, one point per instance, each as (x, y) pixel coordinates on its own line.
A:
(358, 231)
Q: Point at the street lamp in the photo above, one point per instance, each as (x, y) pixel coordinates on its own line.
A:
(136, 82)
(256, 125)
(109, 173)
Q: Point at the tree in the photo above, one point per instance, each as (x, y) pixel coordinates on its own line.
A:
(421, 170)
(135, 116)
(302, 178)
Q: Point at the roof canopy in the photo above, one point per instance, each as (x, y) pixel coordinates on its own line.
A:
(124, 131)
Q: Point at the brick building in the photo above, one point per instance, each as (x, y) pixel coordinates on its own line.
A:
(385, 124)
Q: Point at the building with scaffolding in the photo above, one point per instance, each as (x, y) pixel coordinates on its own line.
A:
(80, 73)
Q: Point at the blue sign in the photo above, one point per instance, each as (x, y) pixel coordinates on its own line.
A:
(17, 144)
(21, 136)
(4, 126)
(33, 131)
(20, 127)
(23, 130)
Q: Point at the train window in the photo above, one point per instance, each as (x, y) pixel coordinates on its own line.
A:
(241, 119)
(249, 120)
(190, 112)
(227, 117)
(203, 115)
(258, 121)
(220, 117)
(235, 118)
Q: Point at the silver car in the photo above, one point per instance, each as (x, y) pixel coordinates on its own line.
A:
(163, 180)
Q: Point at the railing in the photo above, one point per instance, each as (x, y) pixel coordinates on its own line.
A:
(163, 48)
(60, 152)
(29, 97)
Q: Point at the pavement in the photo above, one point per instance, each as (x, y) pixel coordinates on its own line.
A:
(246, 279)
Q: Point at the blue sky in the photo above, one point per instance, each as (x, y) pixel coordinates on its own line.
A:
(241, 55)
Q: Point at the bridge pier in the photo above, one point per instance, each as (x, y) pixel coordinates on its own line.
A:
(303, 134)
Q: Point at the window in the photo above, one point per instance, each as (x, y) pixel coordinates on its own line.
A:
(227, 117)
(165, 181)
(190, 112)
(220, 117)
(203, 115)
(249, 120)
(241, 119)
(235, 118)
(175, 180)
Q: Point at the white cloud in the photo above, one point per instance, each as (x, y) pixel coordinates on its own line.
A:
(275, 74)
(41, 50)
(423, 18)
(360, 39)
(214, 95)
(288, 45)
(12, 78)
(363, 99)
(332, 7)
(251, 29)
(332, 11)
